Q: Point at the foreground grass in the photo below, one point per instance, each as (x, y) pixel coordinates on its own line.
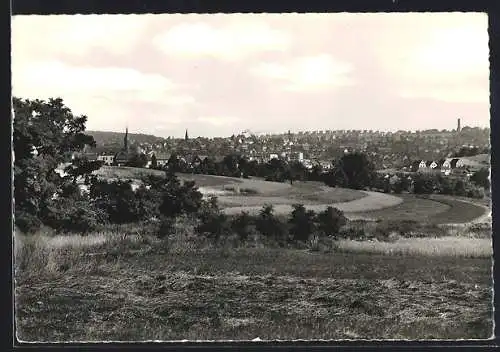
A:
(444, 246)
(108, 288)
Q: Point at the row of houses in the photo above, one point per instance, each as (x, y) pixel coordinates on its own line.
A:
(447, 166)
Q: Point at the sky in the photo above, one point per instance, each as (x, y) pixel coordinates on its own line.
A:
(216, 75)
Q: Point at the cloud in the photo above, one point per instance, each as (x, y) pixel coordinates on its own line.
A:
(307, 73)
(462, 50)
(230, 43)
(449, 62)
(76, 34)
(56, 77)
(108, 95)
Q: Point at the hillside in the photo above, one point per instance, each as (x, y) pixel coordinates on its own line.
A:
(107, 137)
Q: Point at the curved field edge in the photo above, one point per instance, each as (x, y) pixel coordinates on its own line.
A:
(429, 209)
(242, 294)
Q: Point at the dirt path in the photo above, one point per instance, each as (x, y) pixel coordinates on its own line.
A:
(372, 201)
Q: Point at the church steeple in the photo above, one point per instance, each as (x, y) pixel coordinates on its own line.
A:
(125, 140)
(186, 137)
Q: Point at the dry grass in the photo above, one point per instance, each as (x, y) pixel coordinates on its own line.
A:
(443, 246)
(179, 289)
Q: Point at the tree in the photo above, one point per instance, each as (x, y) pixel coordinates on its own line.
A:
(270, 226)
(354, 170)
(45, 133)
(174, 163)
(301, 223)
(81, 166)
(137, 160)
(316, 173)
(231, 164)
(423, 184)
(330, 221)
(460, 188)
(481, 178)
(297, 171)
(241, 225)
(208, 166)
(154, 162)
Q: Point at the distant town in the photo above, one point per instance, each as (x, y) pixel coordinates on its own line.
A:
(402, 150)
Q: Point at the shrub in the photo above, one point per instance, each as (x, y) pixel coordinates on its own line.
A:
(475, 192)
(330, 221)
(385, 228)
(242, 225)
(166, 227)
(270, 226)
(301, 223)
(26, 222)
(214, 225)
(69, 215)
(122, 203)
(424, 185)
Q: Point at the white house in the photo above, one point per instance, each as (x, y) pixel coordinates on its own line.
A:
(107, 159)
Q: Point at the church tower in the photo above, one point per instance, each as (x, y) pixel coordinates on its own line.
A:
(186, 137)
(125, 140)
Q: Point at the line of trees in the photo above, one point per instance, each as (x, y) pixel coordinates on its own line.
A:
(300, 225)
(352, 170)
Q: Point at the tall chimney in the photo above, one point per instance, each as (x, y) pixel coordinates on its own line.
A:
(458, 125)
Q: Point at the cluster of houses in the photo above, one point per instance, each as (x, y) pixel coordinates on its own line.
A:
(457, 166)
(449, 166)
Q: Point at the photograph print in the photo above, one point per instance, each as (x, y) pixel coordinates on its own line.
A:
(251, 177)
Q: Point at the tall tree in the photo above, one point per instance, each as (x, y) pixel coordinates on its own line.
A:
(354, 170)
(44, 134)
(154, 162)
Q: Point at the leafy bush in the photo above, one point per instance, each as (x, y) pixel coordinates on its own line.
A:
(475, 192)
(26, 222)
(330, 221)
(214, 224)
(301, 223)
(69, 215)
(384, 228)
(270, 226)
(121, 203)
(242, 225)
(424, 185)
(177, 198)
(481, 178)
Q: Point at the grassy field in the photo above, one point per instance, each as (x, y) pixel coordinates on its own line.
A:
(103, 287)
(124, 172)
(435, 209)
